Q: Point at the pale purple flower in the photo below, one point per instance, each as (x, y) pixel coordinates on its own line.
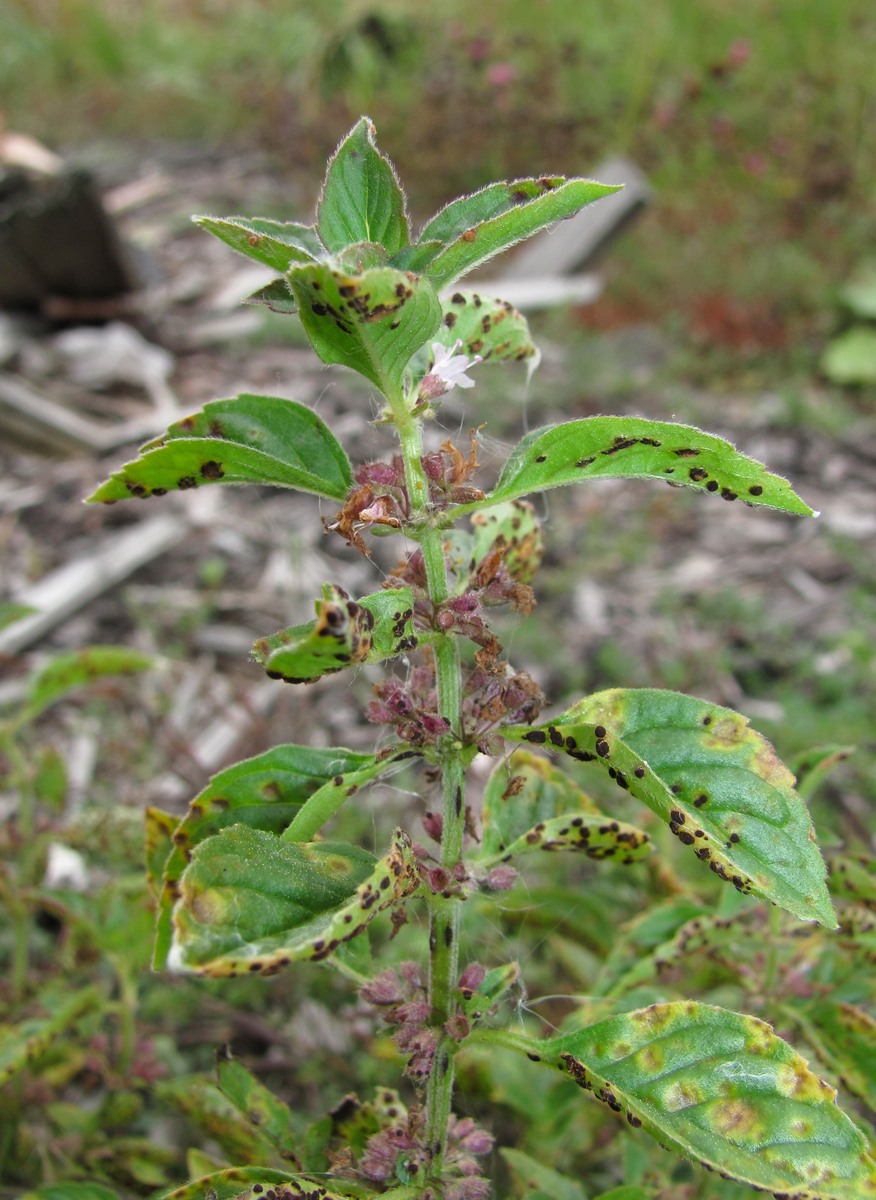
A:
(448, 370)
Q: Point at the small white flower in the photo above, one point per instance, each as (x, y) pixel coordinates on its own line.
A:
(448, 370)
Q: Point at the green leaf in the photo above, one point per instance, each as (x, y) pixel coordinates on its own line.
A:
(23, 1043)
(846, 1038)
(258, 1104)
(362, 200)
(277, 244)
(495, 986)
(326, 800)
(492, 328)
(371, 322)
(71, 1191)
(66, 672)
(247, 439)
(721, 1088)
(265, 792)
(346, 632)
(813, 766)
(635, 448)
(250, 902)
(529, 804)
(238, 1137)
(239, 1183)
(277, 296)
(534, 1177)
(717, 783)
(854, 878)
(850, 359)
(477, 227)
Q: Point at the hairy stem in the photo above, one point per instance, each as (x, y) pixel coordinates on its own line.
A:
(445, 910)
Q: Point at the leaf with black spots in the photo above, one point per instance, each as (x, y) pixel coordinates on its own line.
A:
(265, 792)
(717, 783)
(250, 903)
(720, 1088)
(277, 244)
(345, 633)
(247, 439)
(635, 448)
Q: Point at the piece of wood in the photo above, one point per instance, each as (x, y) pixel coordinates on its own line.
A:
(56, 240)
(547, 269)
(66, 590)
(32, 420)
(573, 244)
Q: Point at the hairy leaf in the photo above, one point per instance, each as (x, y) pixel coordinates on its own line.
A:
(345, 633)
(66, 672)
(362, 200)
(277, 244)
(513, 528)
(492, 328)
(635, 448)
(529, 804)
(717, 783)
(233, 1131)
(265, 792)
(371, 322)
(250, 902)
(477, 227)
(23, 1043)
(277, 296)
(247, 439)
(721, 1088)
(814, 765)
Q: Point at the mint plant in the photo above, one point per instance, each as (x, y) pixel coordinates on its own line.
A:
(246, 883)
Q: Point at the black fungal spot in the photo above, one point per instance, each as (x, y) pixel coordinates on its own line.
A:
(707, 719)
(159, 491)
(599, 731)
(602, 749)
(212, 470)
(639, 772)
(687, 452)
(555, 736)
(541, 458)
(585, 462)
(700, 801)
(450, 320)
(538, 736)
(698, 474)
(712, 485)
(756, 490)
(458, 802)
(457, 298)
(727, 494)
(187, 481)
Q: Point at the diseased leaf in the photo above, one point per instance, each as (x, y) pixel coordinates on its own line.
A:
(539, 1180)
(372, 322)
(495, 985)
(477, 227)
(158, 846)
(491, 328)
(239, 1138)
(854, 878)
(66, 672)
(258, 1104)
(514, 529)
(362, 200)
(241, 1183)
(23, 1043)
(717, 783)
(521, 803)
(265, 792)
(345, 633)
(720, 1088)
(326, 800)
(635, 448)
(251, 903)
(277, 244)
(247, 439)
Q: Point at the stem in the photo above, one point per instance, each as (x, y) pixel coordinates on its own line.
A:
(445, 910)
